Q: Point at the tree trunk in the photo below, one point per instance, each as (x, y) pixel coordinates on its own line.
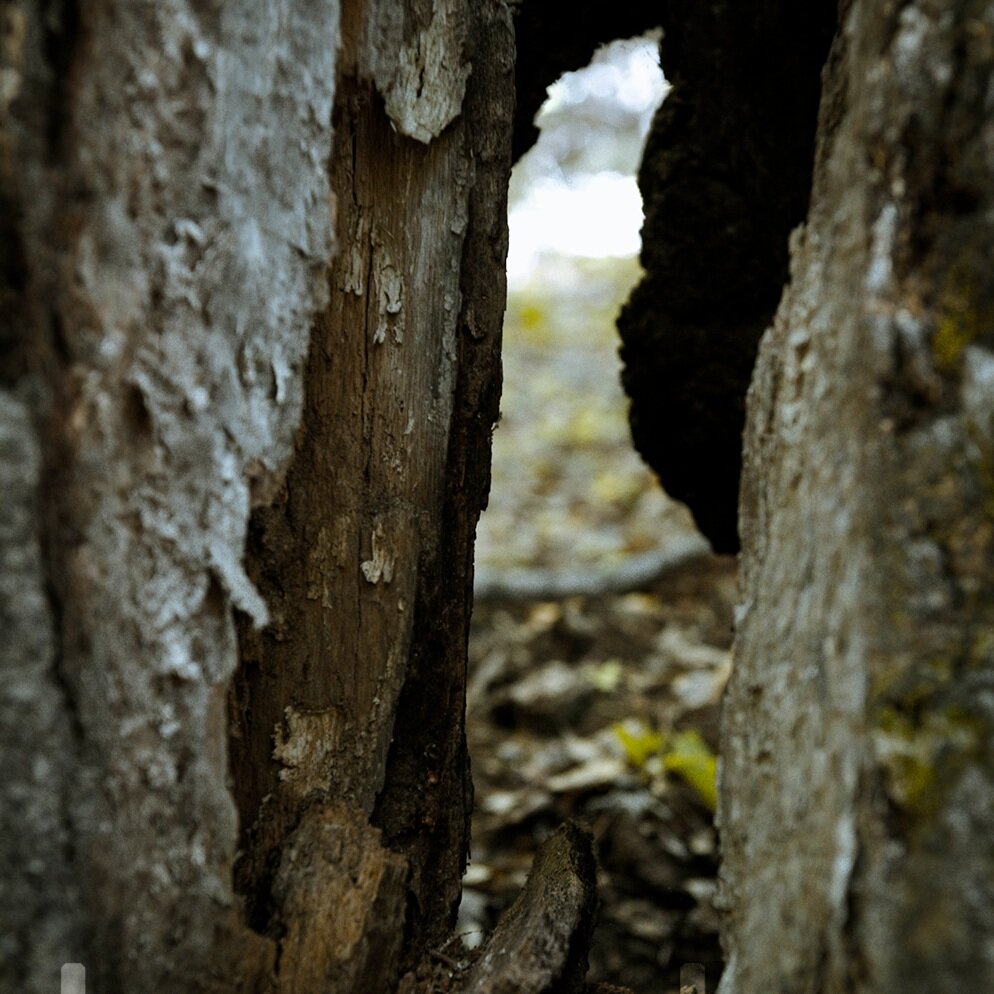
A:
(857, 780)
(166, 235)
(248, 773)
(365, 556)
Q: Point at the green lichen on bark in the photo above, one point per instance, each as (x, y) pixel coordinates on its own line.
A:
(965, 315)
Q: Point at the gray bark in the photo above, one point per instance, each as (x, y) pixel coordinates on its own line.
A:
(174, 221)
(857, 782)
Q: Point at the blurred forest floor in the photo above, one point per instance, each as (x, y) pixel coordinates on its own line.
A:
(600, 708)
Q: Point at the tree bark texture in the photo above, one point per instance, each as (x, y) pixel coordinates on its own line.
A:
(857, 778)
(167, 227)
(170, 191)
(167, 230)
(356, 690)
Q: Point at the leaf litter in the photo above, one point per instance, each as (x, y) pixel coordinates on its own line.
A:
(599, 708)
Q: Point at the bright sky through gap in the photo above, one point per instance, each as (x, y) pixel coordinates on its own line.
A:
(626, 72)
(598, 213)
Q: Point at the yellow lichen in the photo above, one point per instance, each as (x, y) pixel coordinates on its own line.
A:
(961, 320)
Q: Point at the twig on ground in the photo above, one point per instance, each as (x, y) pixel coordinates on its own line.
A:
(635, 573)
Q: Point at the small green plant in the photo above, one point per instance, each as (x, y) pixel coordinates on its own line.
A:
(690, 757)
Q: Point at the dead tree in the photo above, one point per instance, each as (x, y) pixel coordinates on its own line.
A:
(251, 270)
(280, 804)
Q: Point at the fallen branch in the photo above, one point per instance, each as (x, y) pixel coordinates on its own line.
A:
(635, 573)
(540, 946)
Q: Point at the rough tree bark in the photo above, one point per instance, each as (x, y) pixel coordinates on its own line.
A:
(857, 777)
(365, 556)
(857, 781)
(169, 192)
(166, 235)
(162, 264)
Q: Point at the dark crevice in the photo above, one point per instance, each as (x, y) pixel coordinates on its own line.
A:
(726, 175)
(34, 366)
(62, 22)
(13, 284)
(31, 134)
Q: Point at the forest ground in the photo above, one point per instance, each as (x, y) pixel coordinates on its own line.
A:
(600, 708)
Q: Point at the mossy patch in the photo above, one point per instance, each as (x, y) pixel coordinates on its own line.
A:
(920, 754)
(965, 315)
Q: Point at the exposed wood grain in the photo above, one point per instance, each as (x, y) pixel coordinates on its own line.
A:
(364, 556)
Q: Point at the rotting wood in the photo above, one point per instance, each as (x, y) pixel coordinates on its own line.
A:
(341, 900)
(540, 945)
(167, 230)
(365, 554)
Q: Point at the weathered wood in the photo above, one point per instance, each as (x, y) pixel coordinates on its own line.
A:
(167, 230)
(355, 691)
(426, 802)
(166, 250)
(340, 896)
(540, 945)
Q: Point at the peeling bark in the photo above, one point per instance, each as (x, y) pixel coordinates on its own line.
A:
(355, 691)
(170, 225)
